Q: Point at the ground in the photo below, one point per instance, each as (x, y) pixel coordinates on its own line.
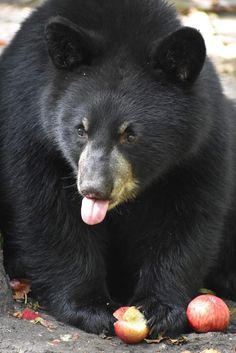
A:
(20, 336)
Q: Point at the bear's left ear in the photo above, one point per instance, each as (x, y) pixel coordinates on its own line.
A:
(181, 55)
(69, 45)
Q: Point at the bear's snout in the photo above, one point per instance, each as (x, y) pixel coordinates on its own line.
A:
(94, 177)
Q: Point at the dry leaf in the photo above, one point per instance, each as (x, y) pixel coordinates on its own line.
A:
(232, 311)
(175, 341)
(17, 314)
(206, 291)
(48, 324)
(20, 287)
(159, 339)
(210, 351)
(69, 337)
(66, 338)
(105, 337)
(35, 306)
(54, 342)
(27, 314)
(34, 317)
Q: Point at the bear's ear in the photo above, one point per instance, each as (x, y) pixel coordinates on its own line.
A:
(68, 45)
(181, 55)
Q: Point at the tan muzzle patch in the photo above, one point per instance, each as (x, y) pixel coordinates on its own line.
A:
(125, 185)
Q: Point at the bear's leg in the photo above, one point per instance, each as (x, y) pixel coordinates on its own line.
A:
(78, 293)
(86, 305)
(222, 278)
(68, 278)
(176, 261)
(47, 243)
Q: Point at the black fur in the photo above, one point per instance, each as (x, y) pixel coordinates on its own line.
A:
(116, 62)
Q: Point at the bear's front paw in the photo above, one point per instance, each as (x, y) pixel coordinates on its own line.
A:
(92, 318)
(169, 320)
(96, 320)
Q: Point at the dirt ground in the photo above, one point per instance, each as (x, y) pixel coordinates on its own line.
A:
(19, 336)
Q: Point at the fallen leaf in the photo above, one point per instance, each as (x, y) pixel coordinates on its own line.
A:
(66, 338)
(177, 341)
(210, 351)
(20, 287)
(54, 342)
(30, 315)
(69, 337)
(17, 314)
(105, 337)
(206, 291)
(48, 324)
(34, 317)
(27, 314)
(232, 311)
(75, 337)
(160, 338)
(35, 306)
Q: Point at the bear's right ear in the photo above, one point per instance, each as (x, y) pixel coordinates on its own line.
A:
(181, 55)
(69, 45)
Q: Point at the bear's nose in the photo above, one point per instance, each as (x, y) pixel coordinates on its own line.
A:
(95, 192)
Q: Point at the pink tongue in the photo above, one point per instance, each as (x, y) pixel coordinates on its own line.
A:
(93, 211)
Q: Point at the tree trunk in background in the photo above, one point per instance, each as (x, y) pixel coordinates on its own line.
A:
(6, 302)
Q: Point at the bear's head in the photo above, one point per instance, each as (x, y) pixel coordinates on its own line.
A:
(122, 112)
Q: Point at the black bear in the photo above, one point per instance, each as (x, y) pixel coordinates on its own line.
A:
(117, 163)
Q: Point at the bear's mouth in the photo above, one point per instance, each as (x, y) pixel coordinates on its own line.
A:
(93, 211)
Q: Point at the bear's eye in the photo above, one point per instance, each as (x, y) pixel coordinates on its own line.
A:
(128, 137)
(81, 131)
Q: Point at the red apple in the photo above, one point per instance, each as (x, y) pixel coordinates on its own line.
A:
(119, 313)
(131, 326)
(208, 313)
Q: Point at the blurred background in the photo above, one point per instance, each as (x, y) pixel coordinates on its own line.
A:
(216, 19)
